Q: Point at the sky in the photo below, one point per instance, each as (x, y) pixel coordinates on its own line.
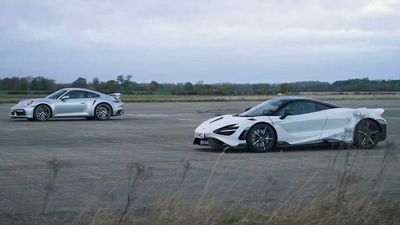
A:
(238, 41)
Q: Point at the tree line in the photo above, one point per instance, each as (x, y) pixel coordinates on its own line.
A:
(125, 84)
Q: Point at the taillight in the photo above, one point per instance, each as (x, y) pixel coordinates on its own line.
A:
(116, 100)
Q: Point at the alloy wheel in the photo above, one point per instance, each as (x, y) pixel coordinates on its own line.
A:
(367, 134)
(261, 138)
(42, 113)
(103, 112)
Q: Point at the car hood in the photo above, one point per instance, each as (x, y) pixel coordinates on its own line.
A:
(25, 102)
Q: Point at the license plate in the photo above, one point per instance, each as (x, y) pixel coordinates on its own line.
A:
(199, 135)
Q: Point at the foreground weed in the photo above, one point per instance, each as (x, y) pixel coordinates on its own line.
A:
(54, 166)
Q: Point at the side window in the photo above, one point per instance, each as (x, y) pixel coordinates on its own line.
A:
(299, 107)
(91, 95)
(321, 107)
(76, 94)
(81, 94)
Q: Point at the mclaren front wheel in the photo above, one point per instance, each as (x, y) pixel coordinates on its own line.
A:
(261, 138)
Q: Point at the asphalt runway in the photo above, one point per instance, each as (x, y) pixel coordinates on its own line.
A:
(159, 137)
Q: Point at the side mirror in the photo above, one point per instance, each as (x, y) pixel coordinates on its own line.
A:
(286, 113)
(247, 109)
(65, 97)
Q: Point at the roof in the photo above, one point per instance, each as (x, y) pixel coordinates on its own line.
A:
(292, 98)
(81, 89)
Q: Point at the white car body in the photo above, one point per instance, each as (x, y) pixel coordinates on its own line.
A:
(334, 124)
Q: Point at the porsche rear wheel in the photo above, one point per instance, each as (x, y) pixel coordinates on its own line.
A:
(261, 138)
(103, 111)
(366, 134)
(42, 113)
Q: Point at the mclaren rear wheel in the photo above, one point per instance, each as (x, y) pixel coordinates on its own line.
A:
(42, 113)
(261, 138)
(103, 111)
(366, 134)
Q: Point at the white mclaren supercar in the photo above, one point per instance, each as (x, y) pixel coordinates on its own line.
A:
(293, 121)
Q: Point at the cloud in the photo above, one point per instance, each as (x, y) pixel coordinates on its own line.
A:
(199, 32)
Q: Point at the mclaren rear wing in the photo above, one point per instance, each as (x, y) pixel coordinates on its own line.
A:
(378, 111)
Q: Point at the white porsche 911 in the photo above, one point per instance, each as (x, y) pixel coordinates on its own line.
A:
(293, 121)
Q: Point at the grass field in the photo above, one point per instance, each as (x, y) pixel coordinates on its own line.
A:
(213, 98)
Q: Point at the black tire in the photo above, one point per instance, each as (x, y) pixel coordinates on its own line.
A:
(366, 134)
(42, 113)
(261, 138)
(103, 111)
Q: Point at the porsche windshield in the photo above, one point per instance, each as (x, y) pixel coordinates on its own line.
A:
(56, 94)
(265, 108)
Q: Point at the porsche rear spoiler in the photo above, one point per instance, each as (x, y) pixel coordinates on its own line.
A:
(116, 95)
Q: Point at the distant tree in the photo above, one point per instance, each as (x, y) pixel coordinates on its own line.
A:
(6, 84)
(42, 84)
(24, 84)
(126, 83)
(387, 87)
(111, 86)
(96, 84)
(188, 86)
(225, 89)
(153, 86)
(285, 88)
(80, 83)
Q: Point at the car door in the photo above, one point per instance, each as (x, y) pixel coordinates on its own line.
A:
(72, 103)
(304, 124)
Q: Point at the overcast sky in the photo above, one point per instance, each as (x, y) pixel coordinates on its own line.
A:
(209, 40)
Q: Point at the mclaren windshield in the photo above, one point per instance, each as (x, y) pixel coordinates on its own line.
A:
(264, 109)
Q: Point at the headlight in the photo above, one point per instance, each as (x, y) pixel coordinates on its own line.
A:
(29, 103)
(227, 130)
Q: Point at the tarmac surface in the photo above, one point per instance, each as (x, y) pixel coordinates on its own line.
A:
(157, 137)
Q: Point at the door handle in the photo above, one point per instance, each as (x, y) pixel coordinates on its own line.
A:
(82, 103)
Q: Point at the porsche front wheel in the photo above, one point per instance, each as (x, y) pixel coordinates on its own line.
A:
(42, 113)
(261, 138)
